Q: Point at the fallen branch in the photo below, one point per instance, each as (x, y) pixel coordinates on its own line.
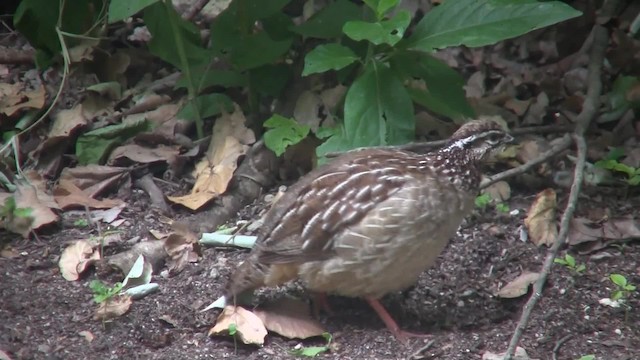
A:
(589, 110)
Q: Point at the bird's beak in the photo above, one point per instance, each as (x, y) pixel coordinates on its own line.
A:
(509, 139)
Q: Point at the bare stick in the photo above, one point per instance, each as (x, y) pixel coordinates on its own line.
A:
(589, 110)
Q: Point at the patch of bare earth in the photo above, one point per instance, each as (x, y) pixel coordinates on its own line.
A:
(44, 316)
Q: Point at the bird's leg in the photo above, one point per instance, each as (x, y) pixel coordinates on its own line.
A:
(401, 335)
(321, 303)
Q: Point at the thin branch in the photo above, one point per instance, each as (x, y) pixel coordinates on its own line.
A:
(589, 110)
(554, 151)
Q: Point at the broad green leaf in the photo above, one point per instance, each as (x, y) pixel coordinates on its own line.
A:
(336, 141)
(94, 146)
(327, 23)
(618, 280)
(208, 105)
(282, 133)
(258, 49)
(378, 109)
(570, 260)
(122, 9)
(380, 7)
(444, 93)
(163, 43)
(328, 57)
(206, 78)
(484, 22)
(382, 32)
(270, 79)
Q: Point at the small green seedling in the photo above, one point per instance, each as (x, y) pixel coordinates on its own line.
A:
(587, 357)
(610, 162)
(623, 287)
(233, 329)
(482, 201)
(81, 223)
(102, 293)
(502, 207)
(570, 263)
(313, 351)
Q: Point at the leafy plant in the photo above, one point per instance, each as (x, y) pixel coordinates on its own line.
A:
(570, 263)
(81, 223)
(610, 162)
(623, 288)
(313, 351)
(102, 293)
(233, 329)
(484, 200)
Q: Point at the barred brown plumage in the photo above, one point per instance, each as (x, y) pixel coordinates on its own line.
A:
(371, 221)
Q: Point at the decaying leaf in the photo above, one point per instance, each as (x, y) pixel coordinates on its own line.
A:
(289, 318)
(75, 259)
(602, 233)
(248, 326)
(182, 246)
(113, 308)
(540, 221)
(14, 97)
(230, 140)
(82, 185)
(142, 154)
(518, 286)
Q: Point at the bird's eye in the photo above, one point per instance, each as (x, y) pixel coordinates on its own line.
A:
(494, 138)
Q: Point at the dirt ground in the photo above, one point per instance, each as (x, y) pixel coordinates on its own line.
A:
(44, 316)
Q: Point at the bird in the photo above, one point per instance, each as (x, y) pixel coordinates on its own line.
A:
(370, 221)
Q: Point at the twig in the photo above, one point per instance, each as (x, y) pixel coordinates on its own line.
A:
(589, 110)
(555, 150)
(559, 344)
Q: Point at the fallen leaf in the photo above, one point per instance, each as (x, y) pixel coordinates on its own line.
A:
(230, 140)
(108, 215)
(518, 286)
(143, 154)
(540, 221)
(14, 97)
(76, 258)
(182, 247)
(87, 335)
(113, 308)
(139, 274)
(583, 230)
(248, 326)
(499, 191)
(69, 196)
(38, 203)
(290, 318)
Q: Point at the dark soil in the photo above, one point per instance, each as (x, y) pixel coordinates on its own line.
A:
(43, 316)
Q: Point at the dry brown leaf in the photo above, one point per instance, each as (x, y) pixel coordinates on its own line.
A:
(230, 140)
(583, 230)
(499, 191)
(518, 286)
(69, 196)
(113, 308)
(182, 247)
(289, 318)
(142, 154)
(87, 335)
(75, 259)
(94, 180)
(13, 97)
(249, 327)
(541, 218)
(30, 197)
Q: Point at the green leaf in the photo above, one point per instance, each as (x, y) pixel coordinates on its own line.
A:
(378, 109)
(559, 261)
(23, 212)
(122, 9)
(484, 22)
(208, 105)
(619, 280)
(570, 260)
(206, 78)
(258, 49)
(587, 357)
(328, 22)
(270, 79)
(163, 42)
(634, 181)
(380, 7)
(328, 57)
(310, 351)
(581, 268)
(382, 32)
(444, 93)
(94, 146)
(617, 295)
(482, 201)
(336, 142)
(282, 133)
(502, 207)
(233, 328)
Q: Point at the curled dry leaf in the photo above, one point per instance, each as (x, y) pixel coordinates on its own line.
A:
(289, 318)
(113, 308)
(602, 233)
(518, 286)
(182, 249)
(540, 221)
(248, 326)
(76, 258)
(230, 140)
(499, 191)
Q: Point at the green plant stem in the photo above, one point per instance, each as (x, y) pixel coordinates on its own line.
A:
(185, 68)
